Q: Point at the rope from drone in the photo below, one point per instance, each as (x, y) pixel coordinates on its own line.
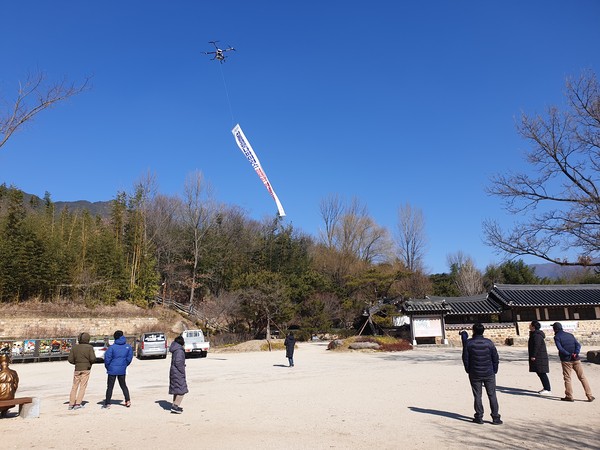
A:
(227, 94)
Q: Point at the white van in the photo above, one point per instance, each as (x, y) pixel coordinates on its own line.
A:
(195, 343)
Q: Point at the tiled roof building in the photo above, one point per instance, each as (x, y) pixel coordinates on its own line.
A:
(508, 305)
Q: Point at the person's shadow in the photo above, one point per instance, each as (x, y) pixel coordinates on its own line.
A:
(280, 365)
(517, 391)
(525, 393)
(437, 412)
(164, 404)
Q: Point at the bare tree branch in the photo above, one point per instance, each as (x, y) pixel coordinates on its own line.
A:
(560, 204)
(34, 96)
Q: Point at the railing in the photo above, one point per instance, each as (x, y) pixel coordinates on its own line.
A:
(188, 309)
(46, 349)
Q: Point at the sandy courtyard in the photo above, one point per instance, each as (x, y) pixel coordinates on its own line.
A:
(418, 399)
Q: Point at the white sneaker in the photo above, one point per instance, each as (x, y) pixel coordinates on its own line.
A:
(545, 392)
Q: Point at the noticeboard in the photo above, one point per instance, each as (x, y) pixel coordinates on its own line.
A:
(427, 326)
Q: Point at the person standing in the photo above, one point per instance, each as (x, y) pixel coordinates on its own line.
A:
(82, 356)
(568, 352)
(538, 356)
(177, 381)
(290, 344)
(480, 359)
(116, 359)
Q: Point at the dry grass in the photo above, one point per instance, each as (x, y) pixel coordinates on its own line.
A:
(386, 343)
(71, 309)
(275, 345)
(255, 345)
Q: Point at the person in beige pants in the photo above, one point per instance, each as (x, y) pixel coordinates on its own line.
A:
(568, 353)
(82, 356)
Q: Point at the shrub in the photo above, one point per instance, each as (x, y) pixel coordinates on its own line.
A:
(275, 345)
(386, 343)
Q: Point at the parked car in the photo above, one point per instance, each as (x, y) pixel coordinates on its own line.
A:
(100, 347)
(152, 344)
(195, 344)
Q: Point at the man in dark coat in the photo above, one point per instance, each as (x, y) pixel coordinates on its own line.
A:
(82, 356)
(116, 359)
(290, 343)
(568, 352)
(538, 356)
(177, 381)
(480, 359)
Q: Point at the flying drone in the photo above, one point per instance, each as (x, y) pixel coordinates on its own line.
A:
(219, 52)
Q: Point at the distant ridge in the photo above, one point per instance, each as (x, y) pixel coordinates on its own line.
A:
(555, 271)
(101, 209)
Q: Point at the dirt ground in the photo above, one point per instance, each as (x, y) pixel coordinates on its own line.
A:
(418, 399)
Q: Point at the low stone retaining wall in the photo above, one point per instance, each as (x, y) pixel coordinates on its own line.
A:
(24, 327)
(587, 333)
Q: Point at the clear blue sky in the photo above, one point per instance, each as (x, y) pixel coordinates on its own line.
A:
(388, 101)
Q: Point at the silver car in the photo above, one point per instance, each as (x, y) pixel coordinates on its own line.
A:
(152, 344)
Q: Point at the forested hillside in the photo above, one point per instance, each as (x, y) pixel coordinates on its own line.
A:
(242, 275)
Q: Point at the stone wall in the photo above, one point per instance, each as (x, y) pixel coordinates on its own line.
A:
(587, 333)
(21, 327)
(499, 333)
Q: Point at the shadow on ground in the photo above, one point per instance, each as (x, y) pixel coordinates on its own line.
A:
(437, 412)
(164, 404)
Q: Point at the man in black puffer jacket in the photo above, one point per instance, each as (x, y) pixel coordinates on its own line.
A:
(480, 359)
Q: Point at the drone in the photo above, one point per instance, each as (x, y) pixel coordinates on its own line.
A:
(219, 52)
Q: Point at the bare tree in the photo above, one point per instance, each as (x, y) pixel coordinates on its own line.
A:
(561, 200)
(332, 210)
(468, 279)
(34, 96)
(351, 231)
(199, 213)
(411, 239)
(163, 232)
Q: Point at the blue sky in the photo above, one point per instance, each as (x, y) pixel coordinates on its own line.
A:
(389, 102)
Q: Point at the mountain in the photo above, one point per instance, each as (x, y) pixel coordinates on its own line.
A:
(101, 209)
(554, 271)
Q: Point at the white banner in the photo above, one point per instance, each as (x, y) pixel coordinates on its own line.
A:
(427, 326)
(246, 149)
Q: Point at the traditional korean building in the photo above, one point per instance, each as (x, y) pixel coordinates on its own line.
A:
(576, 306)
(506, 312)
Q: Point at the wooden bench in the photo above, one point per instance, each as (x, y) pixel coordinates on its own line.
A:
(13, 402)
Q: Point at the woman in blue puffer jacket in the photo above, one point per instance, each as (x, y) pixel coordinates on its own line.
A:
(116, 359)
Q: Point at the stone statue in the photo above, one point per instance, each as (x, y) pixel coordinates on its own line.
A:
(9, 382)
